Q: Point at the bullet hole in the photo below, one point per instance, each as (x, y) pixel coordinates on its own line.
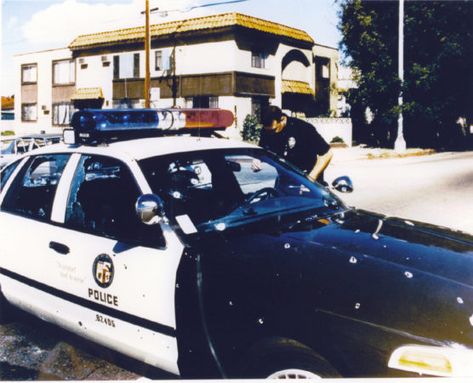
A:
(460, 300)
(177, 285)
(220, 226)
(80, 323)
(357, 231)
(230, 303)
(126, 267)
(357, 306)
(287, 246)
(261, 321)
(353, 260)
(408, 274)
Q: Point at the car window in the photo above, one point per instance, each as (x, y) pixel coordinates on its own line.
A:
(32, 192)
(22, 146)
(6, 173)
(102, 198)
(216, 185)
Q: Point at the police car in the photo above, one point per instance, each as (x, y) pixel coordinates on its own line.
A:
(150, 238)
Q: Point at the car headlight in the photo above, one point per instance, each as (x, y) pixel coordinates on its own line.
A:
(434, 361)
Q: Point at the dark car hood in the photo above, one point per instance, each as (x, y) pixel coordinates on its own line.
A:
(357, 267)
(415, 246)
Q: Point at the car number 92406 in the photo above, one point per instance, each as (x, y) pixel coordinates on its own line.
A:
(107, 321)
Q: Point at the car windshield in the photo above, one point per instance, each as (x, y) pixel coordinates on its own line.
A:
(223, 188)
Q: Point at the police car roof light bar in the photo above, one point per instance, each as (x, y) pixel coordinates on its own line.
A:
(94, 126)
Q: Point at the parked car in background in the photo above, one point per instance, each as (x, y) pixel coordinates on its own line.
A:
(14, 147)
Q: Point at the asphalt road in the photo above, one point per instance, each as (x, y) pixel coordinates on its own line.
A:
(436, 188)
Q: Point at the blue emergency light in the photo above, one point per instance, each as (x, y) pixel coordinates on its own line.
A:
(93, 126)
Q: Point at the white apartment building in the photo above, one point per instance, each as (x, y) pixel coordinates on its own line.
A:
(231, 61)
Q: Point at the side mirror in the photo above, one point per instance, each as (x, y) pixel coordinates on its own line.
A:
(150, 209)
(343, 184)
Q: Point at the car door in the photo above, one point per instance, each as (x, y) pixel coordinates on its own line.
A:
(115, 276)
(25, 216)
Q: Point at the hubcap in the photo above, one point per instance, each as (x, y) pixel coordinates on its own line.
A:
(293, 373)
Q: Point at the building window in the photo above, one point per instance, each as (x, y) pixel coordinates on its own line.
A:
(62, 113)
(29, 112)
(64, 72)
(136, 65)
(189, 102)
(163, 59)
(116, 67)
(126, 66)
(325, 71)
(213, 102)
(29, 74)
(258, 59)
(202, 102)
(158, 60)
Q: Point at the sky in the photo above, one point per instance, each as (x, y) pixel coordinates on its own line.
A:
(35, 25)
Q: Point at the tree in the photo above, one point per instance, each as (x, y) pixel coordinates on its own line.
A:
(438, 64)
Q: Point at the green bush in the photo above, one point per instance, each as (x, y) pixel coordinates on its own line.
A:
(251, 129)
(8, 133)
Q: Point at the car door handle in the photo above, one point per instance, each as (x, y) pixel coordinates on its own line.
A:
(59, 247)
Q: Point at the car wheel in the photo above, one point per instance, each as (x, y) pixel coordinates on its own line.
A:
(281, 358)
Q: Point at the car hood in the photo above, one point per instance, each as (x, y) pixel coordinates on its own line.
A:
(415, 246)
(356, 266)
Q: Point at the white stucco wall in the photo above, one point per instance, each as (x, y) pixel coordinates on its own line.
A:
(44, 61)
(96, 75)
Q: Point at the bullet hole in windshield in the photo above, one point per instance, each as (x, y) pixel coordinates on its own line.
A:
(357, 231)
(260, 321)
(357, 305)
(460, 300)
(353, 260)
(287, 245)
(408, 274)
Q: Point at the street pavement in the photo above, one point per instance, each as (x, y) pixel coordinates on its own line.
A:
(434, 188)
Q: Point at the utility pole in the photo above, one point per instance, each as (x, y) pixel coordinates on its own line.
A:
(400, 143)
(147, 59)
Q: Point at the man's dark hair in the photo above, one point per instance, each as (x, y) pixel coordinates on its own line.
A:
(271, 113)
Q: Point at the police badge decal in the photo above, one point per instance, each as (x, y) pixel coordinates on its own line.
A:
(103, 270)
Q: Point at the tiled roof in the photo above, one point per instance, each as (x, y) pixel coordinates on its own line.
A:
(292, 86)
(87, 94)
(130, 35)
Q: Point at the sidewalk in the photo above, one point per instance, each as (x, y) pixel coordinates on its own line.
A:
(362, 153)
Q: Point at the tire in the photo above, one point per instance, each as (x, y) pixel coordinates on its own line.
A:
(280, 358)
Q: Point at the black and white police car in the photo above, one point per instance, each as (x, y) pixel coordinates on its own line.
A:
(171, 249)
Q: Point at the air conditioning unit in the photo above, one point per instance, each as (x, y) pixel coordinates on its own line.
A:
(105, 59)
(82, 60)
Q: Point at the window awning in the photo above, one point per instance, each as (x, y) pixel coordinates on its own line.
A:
(87, 94)
(293, 86)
